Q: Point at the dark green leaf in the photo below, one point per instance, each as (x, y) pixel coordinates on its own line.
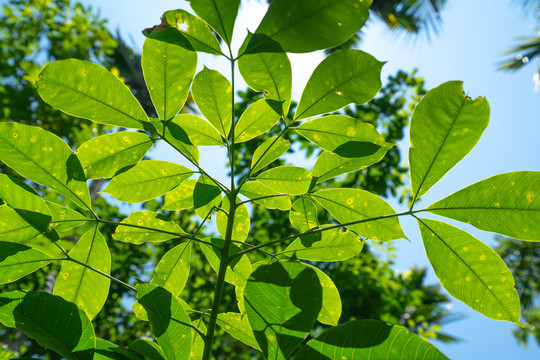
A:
(17, 260)
(147, 348)
(291, 180)
(146, 226)
(106, 350)
(219, 14)
(269, 151)
(257, 119)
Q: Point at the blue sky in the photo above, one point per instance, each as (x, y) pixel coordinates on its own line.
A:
(468, 47)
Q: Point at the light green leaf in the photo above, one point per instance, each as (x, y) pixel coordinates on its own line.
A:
(369, 339)
(331, 301)
(106, 350)
(146, 226)
(211, 92)
(170, 322)
(199, 132)
(179, 139)
(148, 349)
(17, 261)
(269, 151)
(181, 197)
(445, 126)
(303, 215)
(343, 77)
(303, 26)
(197, 345)
(263, 196)
(14, 228)
(206, 195)
(326, 245)
(507, 204)
(168, 70)
(291, 180)
(181, 28)
(86, 90)
(147, 180)
(52, 321)
(29, 151)
(64, 219)
(257, 119)
(219, 14)
(238, 269)
(80, 285)
(294, 292)
(348, 205)
(237, 325)
(103, 156)
(470, 270)
(172, 271)
(241, 225)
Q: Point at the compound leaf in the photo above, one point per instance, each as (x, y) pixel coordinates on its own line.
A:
(146, 226)
(257, 119)
(291, 180)
(172, 271)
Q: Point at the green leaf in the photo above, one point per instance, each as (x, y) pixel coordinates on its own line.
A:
(294, 292)
(148, 349)
(14, 228)
(507, 204)
(219, 14)
(146, 226)
(238, 269)
(29, 151)
(445, 126)
(343, 77)
(86, 90)
(64, 219)
(331, 301)
(369, 339)
(103, 156)
(291, 180)
(349, 205)
(211, 92)
(303, 215)
(326, 245)
(206, 195)
(263, 196)
(168, 70)
(303, 26)
(237, 325)
(172, 271)
(470, 270)
(17, 261)
(241, 224)
(181, 28)
(106, 350)
(199, 132)
(179, 139)
(257, 119)
(52, 321)
(171, 325)
(147, 180)
(197, 345)
(269, 72)
(269, 151)
(181, 197)
(80, 285)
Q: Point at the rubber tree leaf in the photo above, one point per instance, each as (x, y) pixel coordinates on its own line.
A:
(181, 197)
(282, 302)
(14, 228)
(470, 270)
(172, 271)
(303, 215)
(330, 87)
(78, 283)
(171, 325)
(197, 345)
(241, 221)
(178, 27)
(168, 70)
(219, 14)
(269, 151)
(369, 339)
(263, 196)
(349, 205)
(29, 151)
(238, 269)
(53, 322)
(211, 92)
(206, 195)
(17, 261)
(445, 126)
(106, 350)
(269, 72)
(291, 180)
(326, 245)
(507, 204)
(146, 226)
(303, 26)
(86, 90)
(199, 132)
(103, 156)
(64, 219)
(237, 325)
(147, 180)
(179, 139)
(331, 301)
(257, 119)
(148, 349)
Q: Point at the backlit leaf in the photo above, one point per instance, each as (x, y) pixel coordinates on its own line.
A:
(172, 271)
(269, 151)
(331, 301)
(14, 228)
(181, 197)
(263, 196)
(237, 325)
(17, 260)
(147, 348)
(241, 224)
(291, 180)
(238, 269)
(303, 215)
(445, 126)
(64, 219)
(179, 139)
(106, 350)
(146, 226)
(220, 14)
(199, 132)
(206, 195)
(257, 119)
